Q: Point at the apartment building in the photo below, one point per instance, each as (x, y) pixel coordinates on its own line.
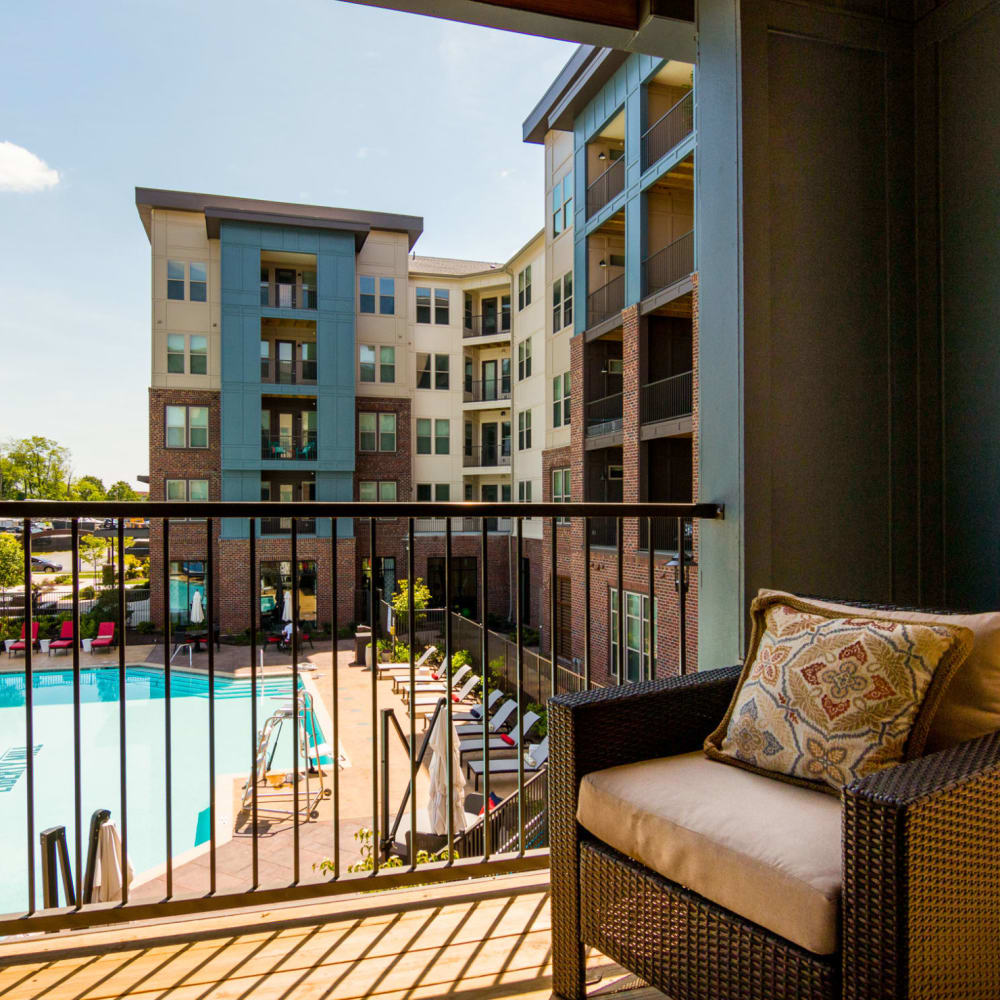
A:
(621, 337)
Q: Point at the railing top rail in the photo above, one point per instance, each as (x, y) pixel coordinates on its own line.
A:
(607, 170)
(669, 378)
(666, 114)
(672, 243)
(604, 399)
(613, 282)
(46, 509)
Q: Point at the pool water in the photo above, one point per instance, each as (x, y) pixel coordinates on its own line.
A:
(52, 692)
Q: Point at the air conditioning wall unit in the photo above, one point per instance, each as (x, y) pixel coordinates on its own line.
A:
(616, 366)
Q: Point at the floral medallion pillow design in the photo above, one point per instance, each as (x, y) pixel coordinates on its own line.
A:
(823, 700)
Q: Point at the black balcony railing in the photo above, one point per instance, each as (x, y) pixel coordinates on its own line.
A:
(486, 455)
(668, 265)
(606, 301)
(487, 390)
(603, 532)
(299, 446)
(668, 130)
(604, 188)
(462, 525)
(666, 399)
(283, 525)
(485, 326)
(604, 415)
(222, 550)
(284, 295)
(665, 536)
(277, 372)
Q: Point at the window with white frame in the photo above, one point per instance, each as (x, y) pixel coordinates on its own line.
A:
(562, 204)
(387, 296)
(376, 432)
(196, 284)
(423, 436)
(175, 353)
(524, 288)
(441, 491)
(433, 371)
(560, 400)
(366, 293)
(524, 360)
(561, 489)
(442, 437)
(186, 489)
(387, 364)
(556, 304)
(387, 432)
(524, 430)
(423, 305)
(377, 491)
(197, 355)
(640, 663)
(366, 363)
(524, 490)
(567, 299)
(505, 312)
(187, 426)
(441, 298)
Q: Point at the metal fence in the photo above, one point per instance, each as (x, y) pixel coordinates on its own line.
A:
(668, 265)
(529, 676)
(606, 301)
(666, 398)
(668, 130)
(604, 188)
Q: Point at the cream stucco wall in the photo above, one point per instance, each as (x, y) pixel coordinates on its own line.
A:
(385, 255)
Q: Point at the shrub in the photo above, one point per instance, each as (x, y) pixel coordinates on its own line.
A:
(62, 579)
(10, 628)
(86, 593)
(542, 727)
(366, 845)
(144, 628)
(460, 659)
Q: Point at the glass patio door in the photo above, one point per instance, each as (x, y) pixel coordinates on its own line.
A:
(489, 380)
(285, 353)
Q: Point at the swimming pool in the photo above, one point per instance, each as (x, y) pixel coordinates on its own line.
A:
(52, 692)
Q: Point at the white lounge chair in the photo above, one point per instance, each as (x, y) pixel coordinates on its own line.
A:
(501, 741)
(497, 720)
(535, 759)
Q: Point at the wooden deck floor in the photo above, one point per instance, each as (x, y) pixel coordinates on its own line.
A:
(486, 940)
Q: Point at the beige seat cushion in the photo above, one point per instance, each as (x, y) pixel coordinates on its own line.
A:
(765, 849)
(970, 704)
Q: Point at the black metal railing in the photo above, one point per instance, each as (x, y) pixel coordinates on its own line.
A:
(485, 326)
(486, 455)
(606, 301)
(487, 390)
(277, 372)
(603, 532)
(604, 188)
(667, 398)
(285, 295)
(292, 446)
(462, 525)
(604, 415)
(668, 130)
(221, 557)
(283, 526)
(669, 264)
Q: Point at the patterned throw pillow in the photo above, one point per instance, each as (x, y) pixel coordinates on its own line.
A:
(823, 700)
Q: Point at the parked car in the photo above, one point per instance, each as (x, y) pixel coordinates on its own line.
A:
(44, 566)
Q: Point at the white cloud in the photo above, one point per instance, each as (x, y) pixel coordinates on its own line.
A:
(21, 170)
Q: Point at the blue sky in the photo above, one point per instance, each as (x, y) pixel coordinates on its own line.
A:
(316, 101)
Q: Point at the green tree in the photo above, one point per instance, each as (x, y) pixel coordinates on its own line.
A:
(401, 602)
(121, 490)
(36, 468)
(11, 564)
(92, 550)
(88, 488)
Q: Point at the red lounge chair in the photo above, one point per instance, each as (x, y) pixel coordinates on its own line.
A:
(65, 640)
(105, 636)
(19, 645)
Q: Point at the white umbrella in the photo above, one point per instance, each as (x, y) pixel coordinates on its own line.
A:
(437, 808)
(108, 874)
(197, 611)
(286, 609)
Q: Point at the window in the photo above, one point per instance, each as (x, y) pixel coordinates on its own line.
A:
(367, 363)
(637, 633)
(387, 491)
(387, 296)
(423, 306)
(564, 617)
(368, 491)
(387, 432)
(198, 283)
(524, 490)
(442, 301)
(561, 490)
(175, 353)
(423, 492)
(562, 204)
(441, 380)
(176, 489)
(377, 491)
(524, 288)
(567, 297)
(186, 579)
(524, 430)
(423, 436)
(556, 305)
(524, 360)
(468, 311)
(442, 437)
(387, 364)
(560, 400)
(366, 432)
(468, 438)
(276, 584)
(440, 371)
(366, 296)
(187, 426)
(464, 583)
(442, 492)
(616, 260)
(198, 355)
(187, 489)
(505, 312)
(175, 279)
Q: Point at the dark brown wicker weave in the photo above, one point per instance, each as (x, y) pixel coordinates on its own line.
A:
(921, 895)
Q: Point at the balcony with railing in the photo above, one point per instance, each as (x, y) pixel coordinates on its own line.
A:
(668, 131)
(489, 326)
(488, 390)
(605, 187)
(288, 446)
(606, 301)
(287, 295)
(668, 265)
(667, 398)
(604, 416)
(486, 456)
(278, 371)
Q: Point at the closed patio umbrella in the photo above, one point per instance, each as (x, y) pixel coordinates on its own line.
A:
(108, 876)
(437, 804)
(197, 610)
(286, 608)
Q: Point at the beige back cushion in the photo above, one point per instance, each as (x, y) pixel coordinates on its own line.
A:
(970, 704)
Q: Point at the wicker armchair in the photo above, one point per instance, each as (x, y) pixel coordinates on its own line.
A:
(920, 906)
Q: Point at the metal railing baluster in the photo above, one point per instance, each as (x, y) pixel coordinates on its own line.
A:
(29, 725)
(122, 679)
(652, 600)
(484, 648)
(373, 618)
(254, 611)
(553, 605)
(412, 637)
(622, 656)
(167, 795)
(586, 604)
(520, 683)
(335, 694)
(77, 763)
(448, 686)
(210, 644)
(682, 597)
(296, 701)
